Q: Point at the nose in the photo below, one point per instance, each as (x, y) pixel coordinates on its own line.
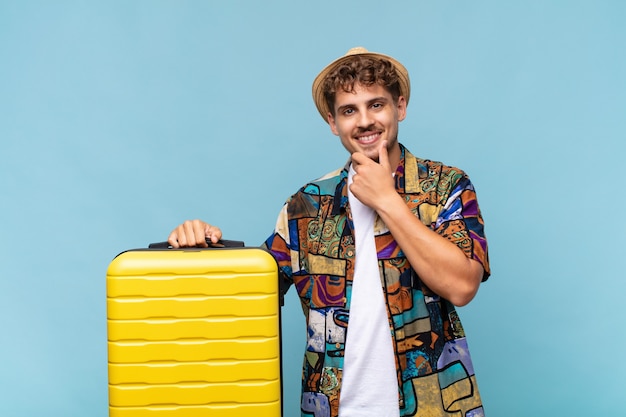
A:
(365, 119)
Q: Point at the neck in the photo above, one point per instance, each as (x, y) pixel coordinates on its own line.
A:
(395, 154)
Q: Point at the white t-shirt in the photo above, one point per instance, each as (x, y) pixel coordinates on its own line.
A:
(369, 385)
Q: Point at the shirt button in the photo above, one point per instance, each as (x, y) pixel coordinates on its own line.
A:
(337, 345)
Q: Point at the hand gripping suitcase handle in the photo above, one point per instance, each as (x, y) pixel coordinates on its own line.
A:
(223, 243)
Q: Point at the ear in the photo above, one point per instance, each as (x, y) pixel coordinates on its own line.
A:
(401, 108)
(331, 123)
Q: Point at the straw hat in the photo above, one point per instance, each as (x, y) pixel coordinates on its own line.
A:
(318, 94)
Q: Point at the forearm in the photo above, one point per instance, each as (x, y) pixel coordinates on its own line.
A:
(440, 264)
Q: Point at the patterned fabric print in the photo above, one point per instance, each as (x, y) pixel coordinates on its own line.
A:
(314, 246)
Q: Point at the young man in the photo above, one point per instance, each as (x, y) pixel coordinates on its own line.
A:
(380, 251)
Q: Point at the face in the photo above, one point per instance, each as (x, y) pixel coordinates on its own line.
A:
(366, 117)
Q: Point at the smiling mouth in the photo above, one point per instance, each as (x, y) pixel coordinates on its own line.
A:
(368, 137)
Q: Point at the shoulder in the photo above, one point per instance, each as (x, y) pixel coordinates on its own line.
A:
(432, 173)
(324, 185)
(435, 169)
(429, 168)
(308, 200)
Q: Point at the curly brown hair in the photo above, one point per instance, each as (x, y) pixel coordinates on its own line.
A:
(360, 70)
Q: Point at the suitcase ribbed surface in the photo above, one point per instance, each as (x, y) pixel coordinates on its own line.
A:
(194, 333)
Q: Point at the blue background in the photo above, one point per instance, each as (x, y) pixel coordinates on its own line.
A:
(121, 119)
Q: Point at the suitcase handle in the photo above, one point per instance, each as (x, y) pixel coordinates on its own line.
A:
(223, 243)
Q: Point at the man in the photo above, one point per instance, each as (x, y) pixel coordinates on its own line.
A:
(379, 251)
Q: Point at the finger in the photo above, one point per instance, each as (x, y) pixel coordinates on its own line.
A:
(172, 239)
(383, 155)
(213, 233)
(191, 233)
(185, 236)
(359, 159)
(199, 233)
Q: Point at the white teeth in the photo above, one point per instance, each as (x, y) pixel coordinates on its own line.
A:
(368, 138)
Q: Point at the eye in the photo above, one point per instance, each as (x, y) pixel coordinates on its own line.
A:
(377, 105)
(348, 111)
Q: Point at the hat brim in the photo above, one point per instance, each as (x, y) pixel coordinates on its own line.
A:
(318, 93)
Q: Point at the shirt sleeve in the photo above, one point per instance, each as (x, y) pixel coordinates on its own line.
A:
(461, 222)
(278, 244)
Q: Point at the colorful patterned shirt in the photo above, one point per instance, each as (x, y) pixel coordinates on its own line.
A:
(313, 244)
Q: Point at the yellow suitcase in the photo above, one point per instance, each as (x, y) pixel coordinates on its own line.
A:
(194, 332)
